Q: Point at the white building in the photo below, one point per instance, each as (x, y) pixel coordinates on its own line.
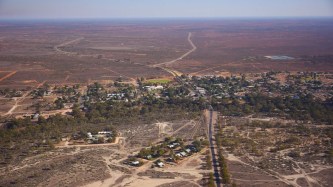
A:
(160, 164)
(151, 88)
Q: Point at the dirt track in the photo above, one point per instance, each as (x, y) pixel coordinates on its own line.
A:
(8, 75)
(181, 57)
(21, 99)
(57, 47)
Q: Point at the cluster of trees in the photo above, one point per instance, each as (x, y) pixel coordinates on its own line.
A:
(213, 84)
(161, 149)
(10, 92)
(293, 105)
(304, 107)
(211, 182)
(231, 143)
(29, 137)
(208, 160)
(198, 144)
(97, 93)
(154, 151)
(67, 90)
(143, 110)
(40, 92)
(173, 92)
(237, 144)
(330, 155)
(95, 116)
(60, 101)
(95, 88)
(222, 162)
(224, 169)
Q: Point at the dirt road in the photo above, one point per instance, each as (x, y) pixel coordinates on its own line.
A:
(21, 99)
(57, 47)
(116, 142)
(8, 75)
(181, 57)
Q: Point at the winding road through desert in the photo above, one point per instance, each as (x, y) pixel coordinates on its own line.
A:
(194, 48)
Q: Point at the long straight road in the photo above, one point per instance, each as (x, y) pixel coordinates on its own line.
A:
(213, 147)
(8, 75)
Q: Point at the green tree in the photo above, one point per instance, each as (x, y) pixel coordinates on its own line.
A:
(211, 182)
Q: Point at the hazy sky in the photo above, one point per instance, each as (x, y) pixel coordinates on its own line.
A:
(164, 8)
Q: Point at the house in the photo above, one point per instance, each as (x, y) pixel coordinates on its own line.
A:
(178, 155)
(135, 163)
(170, 159)
(296, 97)
(176, 144)
(105, 133)
(92, 139)
(151, 88)
(194, 149)
(35, 116)
(46, 93)
(68, 105)
(148, 157)
(89, 135)
(201, 91)
(188, 150)
(115, 96)
(160, 164)
(183, 153)
(173, 145)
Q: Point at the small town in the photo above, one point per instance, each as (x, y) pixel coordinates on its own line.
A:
(166, 93)
(258, 119)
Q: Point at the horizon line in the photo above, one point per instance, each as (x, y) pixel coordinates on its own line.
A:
(167, 18)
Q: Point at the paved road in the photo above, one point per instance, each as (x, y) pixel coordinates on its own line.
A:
(212, 148)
